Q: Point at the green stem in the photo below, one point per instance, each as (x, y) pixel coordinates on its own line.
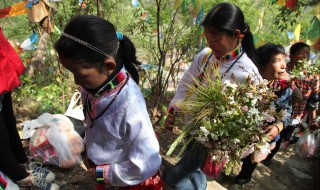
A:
(184, 147)
(174, 145)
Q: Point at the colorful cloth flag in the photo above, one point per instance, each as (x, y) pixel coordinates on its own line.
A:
(28, 43)
(14, 10)
(200, 15)
(297, 32)
(135, 3)
(177, 4)
(291, 4)
(281, 2)
(313, 34)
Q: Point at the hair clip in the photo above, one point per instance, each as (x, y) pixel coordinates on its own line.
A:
(119, 36)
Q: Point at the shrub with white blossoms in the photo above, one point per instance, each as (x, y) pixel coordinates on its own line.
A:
(228, 118)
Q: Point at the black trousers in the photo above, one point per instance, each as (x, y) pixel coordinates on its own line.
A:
(12, 153)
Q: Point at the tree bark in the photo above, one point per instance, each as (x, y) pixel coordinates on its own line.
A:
(36, 60)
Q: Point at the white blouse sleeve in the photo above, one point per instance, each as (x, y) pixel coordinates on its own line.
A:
(188, 79)
(144, 159)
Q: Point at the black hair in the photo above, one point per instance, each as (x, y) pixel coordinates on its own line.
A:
(101, 34)
(227, 17)
(297, 46)
(266, 53)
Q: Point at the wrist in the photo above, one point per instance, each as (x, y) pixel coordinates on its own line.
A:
(101, 174)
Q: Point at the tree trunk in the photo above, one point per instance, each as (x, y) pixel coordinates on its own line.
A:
(36, 60)
(99, 13)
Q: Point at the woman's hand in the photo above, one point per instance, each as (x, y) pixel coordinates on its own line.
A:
(169, 122)
(272, 131)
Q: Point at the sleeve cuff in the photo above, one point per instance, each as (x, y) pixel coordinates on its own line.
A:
(101, 174)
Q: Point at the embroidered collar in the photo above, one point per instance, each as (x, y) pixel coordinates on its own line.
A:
(119, 78)
(232, 54)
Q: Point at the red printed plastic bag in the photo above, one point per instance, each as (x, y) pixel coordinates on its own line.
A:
(213, 168)
(306, 144)
(56, 142)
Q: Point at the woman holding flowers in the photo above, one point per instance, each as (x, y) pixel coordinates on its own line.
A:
(272, 67)
(232, 52)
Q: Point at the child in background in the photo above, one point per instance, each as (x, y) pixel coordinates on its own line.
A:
(305, 97)
(122, 150)
(272, 67)
(13, 159)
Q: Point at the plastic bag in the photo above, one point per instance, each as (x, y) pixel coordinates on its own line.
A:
(56, 142)
(213, 168)
(261, 153)
(306, 144)
(74, 110)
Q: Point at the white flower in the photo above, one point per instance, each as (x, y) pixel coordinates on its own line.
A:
(253, 111)
(249, 95)
(229, 84)
(236, 141)
(205, 131)
(253, 102)
(268, 118)
(201, 139)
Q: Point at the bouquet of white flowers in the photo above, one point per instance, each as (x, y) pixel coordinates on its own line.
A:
(228, 118)
(305, 69)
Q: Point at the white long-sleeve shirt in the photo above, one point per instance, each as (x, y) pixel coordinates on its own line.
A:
(123, 137)
(240, 70)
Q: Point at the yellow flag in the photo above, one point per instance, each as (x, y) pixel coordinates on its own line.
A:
(297, 32)
(316, 10)
(281, 2)
(177, 4)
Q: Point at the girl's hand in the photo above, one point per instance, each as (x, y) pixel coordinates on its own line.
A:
(87, 162)
(272, 131)
(92, 173)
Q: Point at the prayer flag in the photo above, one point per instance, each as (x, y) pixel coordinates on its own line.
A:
(297, 32)
(291, 4)
(177, 4)
(200, 15)
(14, 10)
(316, 10)
(28, 43)
(316, 44)
(281, 2)
(135, 3)
(313, 32)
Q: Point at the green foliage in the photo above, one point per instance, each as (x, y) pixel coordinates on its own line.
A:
(163, 39)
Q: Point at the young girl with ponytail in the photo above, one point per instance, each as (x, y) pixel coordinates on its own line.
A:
(122, 151)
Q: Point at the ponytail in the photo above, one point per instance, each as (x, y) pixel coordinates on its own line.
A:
(127, 55)
(248, 46)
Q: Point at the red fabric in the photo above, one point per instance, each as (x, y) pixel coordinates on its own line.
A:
(11, 66)
(5, 12)
(213, 168)
(153, 183)
(291, 4)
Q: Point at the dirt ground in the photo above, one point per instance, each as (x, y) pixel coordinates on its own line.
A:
(287, 172)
